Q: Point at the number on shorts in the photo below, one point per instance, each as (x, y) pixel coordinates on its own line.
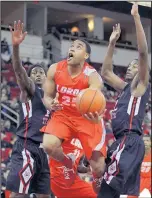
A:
(145, 169)
(76, 153)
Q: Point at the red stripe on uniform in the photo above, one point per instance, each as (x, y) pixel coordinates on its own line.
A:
(132, 113)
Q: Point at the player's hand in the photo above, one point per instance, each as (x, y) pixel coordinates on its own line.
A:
(83, 169)
(18, 35)
(55, 105)
(134, 10)
(94, 117)
(115, 34)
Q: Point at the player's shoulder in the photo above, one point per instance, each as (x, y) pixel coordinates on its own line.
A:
(59, 65)
(88, 69)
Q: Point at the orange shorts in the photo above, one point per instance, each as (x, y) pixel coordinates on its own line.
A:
(91, 136)
(80, 189)
(7, 193)
(145, 183)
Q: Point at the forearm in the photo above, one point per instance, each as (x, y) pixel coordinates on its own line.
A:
(107, 64)
(48, 101)
(141, 38)
(16, 59)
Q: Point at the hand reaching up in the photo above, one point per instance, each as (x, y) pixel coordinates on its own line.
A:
(18, 35)
(115, 34)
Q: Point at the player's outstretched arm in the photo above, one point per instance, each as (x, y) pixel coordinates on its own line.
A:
(24, 82)
(50, 96)
(141, 81)
(107, 66)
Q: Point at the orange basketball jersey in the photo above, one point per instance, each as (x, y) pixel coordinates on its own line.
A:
(146, 166)
(68, 87)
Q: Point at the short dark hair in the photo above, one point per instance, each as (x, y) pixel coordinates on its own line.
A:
(32, 67)
(88, 48)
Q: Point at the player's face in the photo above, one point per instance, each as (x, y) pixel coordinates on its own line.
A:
(77, 53)
(132, 70)
(147, 142)
(38, 75)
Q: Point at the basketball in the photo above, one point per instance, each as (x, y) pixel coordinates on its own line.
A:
(90, 100)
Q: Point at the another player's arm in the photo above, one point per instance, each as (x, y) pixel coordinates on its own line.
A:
(107, 66)
(50, 98)
(95, 81)
(24, 82)
(140, 82)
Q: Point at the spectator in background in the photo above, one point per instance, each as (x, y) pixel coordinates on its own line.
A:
(27, 62)
(4, 82)
(14, 104)
(4, 95)
(4, 47)
(12, 82)
(49, 48)
(2, 127)
(5, 51)
(108, 127)
(7, 126)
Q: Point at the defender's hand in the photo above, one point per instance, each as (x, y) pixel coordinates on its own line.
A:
(134, 10)
(17, 35)
(55, 106)
(115, 34)
(94, 117)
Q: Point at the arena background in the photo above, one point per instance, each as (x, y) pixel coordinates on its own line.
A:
(51, 27)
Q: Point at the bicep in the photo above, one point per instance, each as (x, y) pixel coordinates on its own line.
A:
(95, 81)
(114, 81)
(49, 85)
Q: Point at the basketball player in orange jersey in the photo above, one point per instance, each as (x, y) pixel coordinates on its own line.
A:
(67, 78)
(145, 174)
(80, 188)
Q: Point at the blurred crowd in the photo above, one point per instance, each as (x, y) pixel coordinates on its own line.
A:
(10, 98)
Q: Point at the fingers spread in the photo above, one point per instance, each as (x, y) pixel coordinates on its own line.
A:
(15, 26)
(10, 27)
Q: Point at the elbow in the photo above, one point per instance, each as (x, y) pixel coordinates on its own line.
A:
(143, 51)
(103, 71)
(143, 54)
(104, 74)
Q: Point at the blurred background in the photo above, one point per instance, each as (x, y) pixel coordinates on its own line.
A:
(51, 27)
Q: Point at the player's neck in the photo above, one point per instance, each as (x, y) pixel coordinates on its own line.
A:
(39, 86)
(128, 80)
(75, 69)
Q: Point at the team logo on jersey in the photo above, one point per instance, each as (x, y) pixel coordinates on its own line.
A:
(67, 90)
